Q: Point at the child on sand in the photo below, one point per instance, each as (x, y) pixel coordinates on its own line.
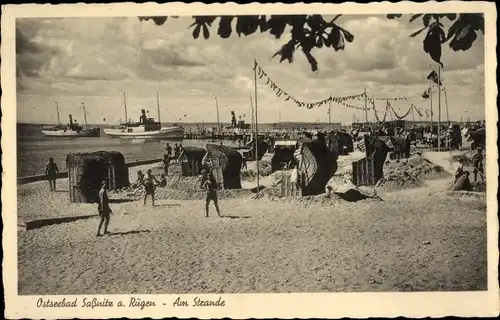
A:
(104, 209)
(163, 181)
(210, 185)
(149, 184)
(140, 179)
(463, 182)
(51, 171)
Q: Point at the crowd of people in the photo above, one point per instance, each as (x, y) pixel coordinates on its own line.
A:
(148, 182)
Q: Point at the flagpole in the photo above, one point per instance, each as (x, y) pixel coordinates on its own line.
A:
(366, 111)
(252, 123)
(413, 114)
(329, 113)
(439, 108)
(256, 122)
(430, 91)
(217, 108)
(446, 103)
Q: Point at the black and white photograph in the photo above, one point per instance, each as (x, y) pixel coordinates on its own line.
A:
(215, 153)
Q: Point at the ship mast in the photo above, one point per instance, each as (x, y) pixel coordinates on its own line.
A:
(85, 115)
(125, 103)
(158, 105)
(57, 110)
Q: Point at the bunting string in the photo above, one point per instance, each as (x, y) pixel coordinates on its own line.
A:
(398, 116)
(309, 105)
(376, 113)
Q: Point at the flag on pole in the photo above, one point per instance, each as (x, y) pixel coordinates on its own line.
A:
(433, 76)
(425, 95)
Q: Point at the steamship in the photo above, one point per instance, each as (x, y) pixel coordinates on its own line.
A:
(146, 128)
(72, 129)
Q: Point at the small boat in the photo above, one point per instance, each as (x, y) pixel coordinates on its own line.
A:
(145, 129)
(72, 129)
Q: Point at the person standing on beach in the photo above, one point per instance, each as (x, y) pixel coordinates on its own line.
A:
(51, 171)
(104, 209)
(166, 163)
(168, 150)
(210, 185)
(149, 184)
(176, 151)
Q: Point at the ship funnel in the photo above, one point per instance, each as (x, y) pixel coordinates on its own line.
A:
(70, 119)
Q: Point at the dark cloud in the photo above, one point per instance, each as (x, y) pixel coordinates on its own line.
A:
(30, 56)
(168, 57)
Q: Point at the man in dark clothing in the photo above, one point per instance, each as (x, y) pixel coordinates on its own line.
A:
(166, 163)
(51, 171)
(104, 209)
(210, 185)
(176, 151)
(477, 162)
(168, 150)
(149, 185)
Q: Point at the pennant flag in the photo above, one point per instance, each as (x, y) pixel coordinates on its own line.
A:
(425, 95)
(433, 76)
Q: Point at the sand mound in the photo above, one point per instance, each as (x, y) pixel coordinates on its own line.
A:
(410, 173)
(251, 174)
(463, 158)
(178, 188)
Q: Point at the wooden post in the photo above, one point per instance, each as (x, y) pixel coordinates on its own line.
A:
(439, 108)
(430, 94)
(256, 124)
(330, 113)
(217, 108)
(57, 110)
(366, 110)
(446, 104)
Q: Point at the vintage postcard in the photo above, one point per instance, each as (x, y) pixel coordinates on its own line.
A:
(250, 161)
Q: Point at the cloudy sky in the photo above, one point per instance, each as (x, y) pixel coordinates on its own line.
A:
(95, 60)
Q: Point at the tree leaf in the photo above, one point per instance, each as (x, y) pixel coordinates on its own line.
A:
(312, 61)
(415, 16)
(348, 36)
(416, 33)
(334, 19)
(196, 31)
(394, 16)
(206, 34)
(451, 16)
(286, 52)
(247, 24)
(224, 30)
(159, 20)
(465, 42)
(432, 43)
(277, 24)
(426, 19)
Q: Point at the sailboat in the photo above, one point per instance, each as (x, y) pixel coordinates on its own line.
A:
(72, 129)
(146, 128)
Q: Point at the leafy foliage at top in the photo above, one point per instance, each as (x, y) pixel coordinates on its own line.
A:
(310, 32)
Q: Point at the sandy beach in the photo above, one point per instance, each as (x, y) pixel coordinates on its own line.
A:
(416, 239)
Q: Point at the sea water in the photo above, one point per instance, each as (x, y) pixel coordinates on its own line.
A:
(33, 154)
